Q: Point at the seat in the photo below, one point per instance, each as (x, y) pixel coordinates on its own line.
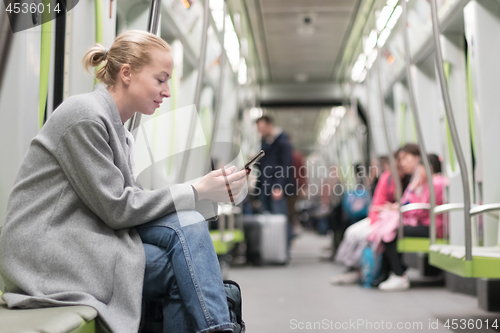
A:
(227, 235)
(485, 261)
(64, 319)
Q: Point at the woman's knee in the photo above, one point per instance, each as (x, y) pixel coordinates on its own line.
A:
(163, 231)
(190, 217)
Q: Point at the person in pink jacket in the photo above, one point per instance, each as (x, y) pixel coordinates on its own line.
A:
(416, 224)
(355, 237)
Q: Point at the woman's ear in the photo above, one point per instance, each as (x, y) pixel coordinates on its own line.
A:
(125, 74)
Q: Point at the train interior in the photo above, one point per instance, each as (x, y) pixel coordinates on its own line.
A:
(349, 82)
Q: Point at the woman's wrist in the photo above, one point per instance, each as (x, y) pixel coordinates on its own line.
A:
(198, 192)
(195, 194)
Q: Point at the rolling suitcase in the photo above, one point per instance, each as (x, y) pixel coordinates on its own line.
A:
(266, 236)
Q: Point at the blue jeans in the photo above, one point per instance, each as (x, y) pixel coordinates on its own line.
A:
(183, 274)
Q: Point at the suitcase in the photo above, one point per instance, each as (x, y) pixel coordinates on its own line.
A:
(266, 237)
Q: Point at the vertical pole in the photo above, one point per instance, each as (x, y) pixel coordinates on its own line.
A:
(197, 94)
(392, 161)
(359, 136)
(420, 136)
(6, 36)
(453, 132)
(218, 103)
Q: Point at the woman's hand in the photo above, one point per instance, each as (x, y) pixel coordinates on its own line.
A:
(213, 185)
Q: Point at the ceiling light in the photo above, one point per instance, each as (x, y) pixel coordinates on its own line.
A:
(371, 42)
(384, 16)
(358, 67)
(255, 113)
(362, 77)
(232, 45)
(371, 59)
(383, 37)
(394, 17)
(242, 72)
(392, 3)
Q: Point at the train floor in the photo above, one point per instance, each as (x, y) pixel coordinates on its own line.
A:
(299, 297)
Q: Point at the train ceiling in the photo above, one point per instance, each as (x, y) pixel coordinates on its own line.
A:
(300, 40)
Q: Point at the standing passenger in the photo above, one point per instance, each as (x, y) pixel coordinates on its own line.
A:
(274, 166)
(275, 170)
(80, 230)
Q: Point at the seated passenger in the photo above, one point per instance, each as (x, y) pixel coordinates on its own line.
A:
(351, 247)
(81, 231)
(416, 224)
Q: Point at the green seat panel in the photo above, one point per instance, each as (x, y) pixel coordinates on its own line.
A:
(416, 244)
(479, 267)
(63, 319)
(222, 247)
(239, 236)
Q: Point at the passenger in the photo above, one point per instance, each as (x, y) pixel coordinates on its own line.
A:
(380, 165)
(351, 247)
(81, 231)
(275, 176)
(416, 224)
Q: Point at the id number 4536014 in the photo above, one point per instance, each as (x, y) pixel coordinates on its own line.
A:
(467, 324)
(32, 8)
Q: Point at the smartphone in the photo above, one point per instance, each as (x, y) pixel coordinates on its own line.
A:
(253, 160)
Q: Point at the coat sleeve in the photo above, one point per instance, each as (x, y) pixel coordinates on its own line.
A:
(379, 196)
(87, 160)
(285, 161)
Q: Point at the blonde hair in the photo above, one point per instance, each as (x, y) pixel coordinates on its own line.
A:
(130, 47)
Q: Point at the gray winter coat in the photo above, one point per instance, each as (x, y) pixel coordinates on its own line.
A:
(69, 236)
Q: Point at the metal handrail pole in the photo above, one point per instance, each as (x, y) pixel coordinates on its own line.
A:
(370, 134)
(484, 209)
(420, 136)
(359, 139)
(218, 103)
(392, 161)
(453, 132)
(441, 209)
(154, 28)
(415, 206)
(6, 38)
(197, 93)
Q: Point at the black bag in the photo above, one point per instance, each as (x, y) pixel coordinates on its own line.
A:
(152, 315)
(233, 294)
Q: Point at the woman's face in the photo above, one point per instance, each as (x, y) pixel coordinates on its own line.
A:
(408, 162)
(149, 86)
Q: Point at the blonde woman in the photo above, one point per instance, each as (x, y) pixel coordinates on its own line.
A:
(80, 230)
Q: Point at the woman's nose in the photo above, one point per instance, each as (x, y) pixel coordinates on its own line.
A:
(166, 92)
